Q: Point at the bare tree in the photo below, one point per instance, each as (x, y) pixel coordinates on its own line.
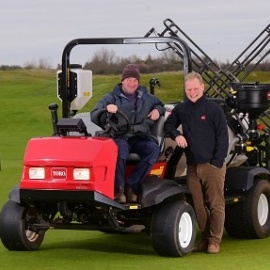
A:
(42, 63)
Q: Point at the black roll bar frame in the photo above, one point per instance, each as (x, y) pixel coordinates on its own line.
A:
(64, 87)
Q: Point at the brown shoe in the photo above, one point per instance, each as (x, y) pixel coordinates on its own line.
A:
(202, 246)
(213, 248)
(120, 195)
(131, 195)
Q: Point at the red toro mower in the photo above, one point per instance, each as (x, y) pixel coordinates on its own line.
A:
(68, 178)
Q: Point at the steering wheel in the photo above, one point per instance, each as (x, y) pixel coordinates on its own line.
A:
(114, 124)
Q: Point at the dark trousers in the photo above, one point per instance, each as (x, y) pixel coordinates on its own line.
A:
(206, 184)
(149, 152)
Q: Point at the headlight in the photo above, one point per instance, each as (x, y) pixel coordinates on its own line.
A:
(36, 173)
(81, 174)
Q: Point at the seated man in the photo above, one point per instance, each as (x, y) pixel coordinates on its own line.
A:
(142, 109)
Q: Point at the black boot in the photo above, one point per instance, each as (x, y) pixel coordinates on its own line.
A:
(119, 195)
(131, 196)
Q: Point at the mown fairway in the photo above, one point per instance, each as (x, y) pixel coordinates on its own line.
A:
(25, 96)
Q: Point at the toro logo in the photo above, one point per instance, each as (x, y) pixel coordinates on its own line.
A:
(59, 173)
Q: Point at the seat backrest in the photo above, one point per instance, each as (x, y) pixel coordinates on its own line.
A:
(157, 130)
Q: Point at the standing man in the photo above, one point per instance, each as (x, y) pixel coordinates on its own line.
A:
(142, 109)
(205, 140)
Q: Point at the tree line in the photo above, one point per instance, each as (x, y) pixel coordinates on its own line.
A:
(105, 62)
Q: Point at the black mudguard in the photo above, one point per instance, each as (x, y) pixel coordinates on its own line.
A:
(14, 194)
(242, 178)
(155, 190)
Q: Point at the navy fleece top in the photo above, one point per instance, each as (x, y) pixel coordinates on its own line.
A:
(205, 129)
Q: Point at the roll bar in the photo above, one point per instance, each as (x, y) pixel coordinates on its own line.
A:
(64, 87)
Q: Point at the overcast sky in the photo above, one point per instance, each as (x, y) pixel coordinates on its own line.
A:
(40, 29)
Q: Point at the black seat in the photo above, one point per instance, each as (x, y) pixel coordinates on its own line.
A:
(157, 131)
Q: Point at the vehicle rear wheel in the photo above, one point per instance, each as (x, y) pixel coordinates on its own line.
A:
(173, 229)
(251, 217)
(15, 227)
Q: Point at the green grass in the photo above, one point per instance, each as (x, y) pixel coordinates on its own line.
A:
(94, 250)
(25, 96)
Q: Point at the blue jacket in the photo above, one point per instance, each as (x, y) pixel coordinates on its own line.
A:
(137, 114)
(205, 129)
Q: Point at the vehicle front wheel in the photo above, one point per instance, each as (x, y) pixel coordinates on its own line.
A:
(173, 229)
(16, 230)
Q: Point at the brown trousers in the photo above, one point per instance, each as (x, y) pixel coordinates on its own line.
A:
(206, 184)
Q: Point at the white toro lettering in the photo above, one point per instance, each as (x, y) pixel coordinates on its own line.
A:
(59, 173)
